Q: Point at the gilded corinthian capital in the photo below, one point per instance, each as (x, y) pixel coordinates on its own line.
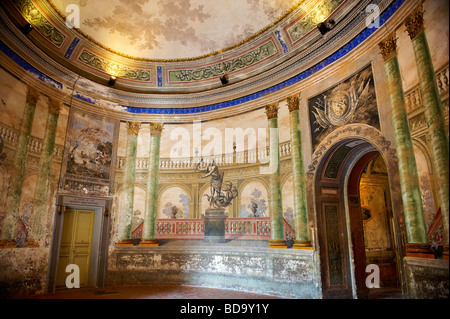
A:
(388, 47)
(293, 103)
(414, 22)
(272, 110)
(156, 128)
(133, 128)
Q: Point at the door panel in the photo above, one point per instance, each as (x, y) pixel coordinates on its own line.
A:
(76, 241)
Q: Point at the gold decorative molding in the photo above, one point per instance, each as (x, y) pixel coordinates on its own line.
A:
(32, 95)
(388, 47)
(293, 103)
(414, 22)
(133, 128)
(156, 128)
(54, 106)
(272, 110)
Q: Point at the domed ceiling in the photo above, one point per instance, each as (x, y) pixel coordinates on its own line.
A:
(174, 29)
(169, 56)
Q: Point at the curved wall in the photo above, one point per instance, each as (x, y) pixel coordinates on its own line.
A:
(238, 106)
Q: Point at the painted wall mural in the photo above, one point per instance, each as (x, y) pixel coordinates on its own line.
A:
(352, 101)
(254, 198)
(375, 206)
(89, 157)
(287, 193)
(174, 202)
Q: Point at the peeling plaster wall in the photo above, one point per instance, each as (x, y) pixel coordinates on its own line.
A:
(23, 271)
(288, 274)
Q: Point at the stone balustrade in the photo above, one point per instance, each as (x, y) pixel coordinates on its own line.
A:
(11, 137)
(223, 160)
(256, 228)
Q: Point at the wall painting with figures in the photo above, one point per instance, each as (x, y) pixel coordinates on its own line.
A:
(89, 156)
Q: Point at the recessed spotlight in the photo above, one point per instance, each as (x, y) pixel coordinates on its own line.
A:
(224, 79)
(326, 26)
(26, 28)
(112, 80)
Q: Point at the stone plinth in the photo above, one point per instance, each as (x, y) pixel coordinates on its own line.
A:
(251, 267)
(215, 225)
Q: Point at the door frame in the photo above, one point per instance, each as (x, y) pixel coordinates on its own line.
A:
(100, 238)
(342, 200)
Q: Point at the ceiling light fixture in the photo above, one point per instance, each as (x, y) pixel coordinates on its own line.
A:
(224, 79)
(112, 80)
(326, 26)
(26, 28)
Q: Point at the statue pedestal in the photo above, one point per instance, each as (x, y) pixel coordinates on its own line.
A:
(215, 225)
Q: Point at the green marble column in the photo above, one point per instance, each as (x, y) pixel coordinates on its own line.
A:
(9, 226)
(433, 111)
(300, 203)
(41, 190)
(409, 180)
(127, 194)
(277, 237)
(149, 232)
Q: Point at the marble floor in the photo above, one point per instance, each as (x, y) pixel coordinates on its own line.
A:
(151, 292)
(179, 292)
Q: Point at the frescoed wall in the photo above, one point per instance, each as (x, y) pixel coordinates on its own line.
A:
(352, 101)
(90, 152)
(253, 198)
(174, 201)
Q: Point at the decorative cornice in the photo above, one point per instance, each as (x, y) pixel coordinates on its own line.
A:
(293, 103)
(414, 22)
(388, 47)
(32, 95)
(54, 106)
(156, 128)
(272, 110)
(133, 128)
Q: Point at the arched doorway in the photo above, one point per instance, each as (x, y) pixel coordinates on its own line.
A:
(349, 202)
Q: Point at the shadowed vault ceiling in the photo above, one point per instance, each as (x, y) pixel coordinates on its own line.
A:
(174, 29)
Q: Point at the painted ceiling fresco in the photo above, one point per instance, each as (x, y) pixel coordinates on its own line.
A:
(174, 29)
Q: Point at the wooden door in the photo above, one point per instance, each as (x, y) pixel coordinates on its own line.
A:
(76, 242)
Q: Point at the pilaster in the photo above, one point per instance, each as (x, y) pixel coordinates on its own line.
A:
(433, 111)
(7, 237)
(127, 194)
(149, 231)
(42, 183)
(302, 240)
(409, 180)
(275, 205)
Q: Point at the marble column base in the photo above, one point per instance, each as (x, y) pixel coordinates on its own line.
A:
(124, 242)
(149, 242)
(280, 244)
(302, 244)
